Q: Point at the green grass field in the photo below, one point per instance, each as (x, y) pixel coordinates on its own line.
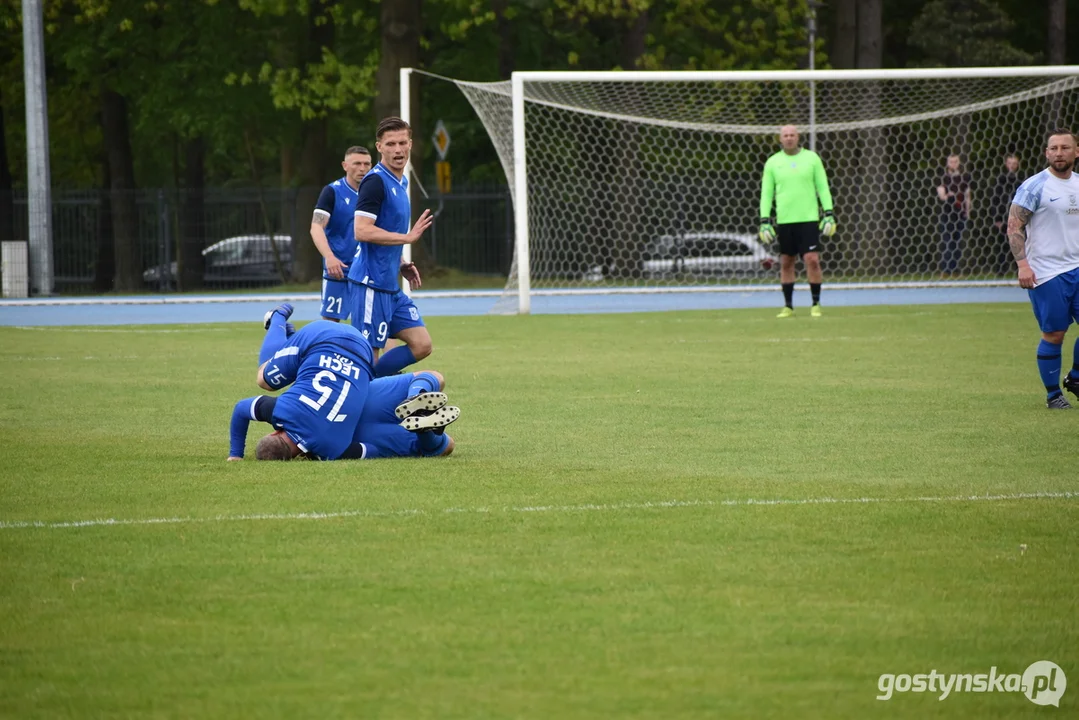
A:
(590, 550)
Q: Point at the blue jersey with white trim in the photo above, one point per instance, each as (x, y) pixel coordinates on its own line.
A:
(338, 200)
(383, 198)
(329, 368)
(379, 431)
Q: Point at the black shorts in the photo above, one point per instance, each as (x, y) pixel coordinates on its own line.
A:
(798, 238)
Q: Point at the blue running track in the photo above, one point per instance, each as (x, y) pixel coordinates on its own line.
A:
(170, 309)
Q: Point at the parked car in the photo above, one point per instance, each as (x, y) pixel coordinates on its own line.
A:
(706, 254)
(240, 260)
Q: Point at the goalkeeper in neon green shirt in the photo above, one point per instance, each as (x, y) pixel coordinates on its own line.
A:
(794, 178)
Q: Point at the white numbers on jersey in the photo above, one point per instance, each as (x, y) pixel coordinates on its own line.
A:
(330, 303)
(326, 392)
(383, 328)
(273, 376)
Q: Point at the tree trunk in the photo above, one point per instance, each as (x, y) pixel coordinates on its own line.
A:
(105, 264)
(845, 37)
(307, 263)
(505, 39)
(117, 140)
(633, 42)
(1058, 36)
(400, 30)
(621, 252)
(193, 216)
(871, 206)
(314, 160)
(870, 32)
(7, 198)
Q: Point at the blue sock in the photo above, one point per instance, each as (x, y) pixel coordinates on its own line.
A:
(1049, 367)
(276, 337)
(1075, 361)
(392, 362)
(424, 382)
(429, 443)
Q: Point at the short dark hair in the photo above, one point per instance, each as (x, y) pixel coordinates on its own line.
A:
(392, 124)
(273, 447)
(1060, 131)
(357, 150)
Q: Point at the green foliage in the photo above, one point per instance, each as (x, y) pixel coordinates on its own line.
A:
(962, 33)
(269, 69)
(755, 35)
(317, 89)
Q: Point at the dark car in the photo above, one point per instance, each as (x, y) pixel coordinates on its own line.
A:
(240, 260)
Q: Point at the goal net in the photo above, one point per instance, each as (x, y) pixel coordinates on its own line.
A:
(648, 182)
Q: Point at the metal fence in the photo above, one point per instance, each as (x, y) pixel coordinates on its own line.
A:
(246, 236)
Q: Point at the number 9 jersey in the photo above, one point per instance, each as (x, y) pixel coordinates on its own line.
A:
(329, 368)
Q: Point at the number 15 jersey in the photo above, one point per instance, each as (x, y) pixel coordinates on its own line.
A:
(329, 368)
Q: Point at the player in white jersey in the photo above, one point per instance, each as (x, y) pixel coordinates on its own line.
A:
(1043, 231)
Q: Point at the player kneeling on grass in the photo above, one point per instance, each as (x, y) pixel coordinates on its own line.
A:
(325, 369)
(404, 416)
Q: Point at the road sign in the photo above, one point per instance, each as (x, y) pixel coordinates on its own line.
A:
(441, 139)
(445, 184)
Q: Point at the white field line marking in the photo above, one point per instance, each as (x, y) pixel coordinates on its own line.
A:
(653, 505)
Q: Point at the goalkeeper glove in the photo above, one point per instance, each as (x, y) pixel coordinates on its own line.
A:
(827, 224)
(767, 233)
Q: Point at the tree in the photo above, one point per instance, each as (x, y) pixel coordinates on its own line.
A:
(965, 33)
(1058, 32)
(844, 47)
(316, 75)
(870, 41)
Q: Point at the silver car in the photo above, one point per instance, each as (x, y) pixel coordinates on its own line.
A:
(244, 259)
(707, 254)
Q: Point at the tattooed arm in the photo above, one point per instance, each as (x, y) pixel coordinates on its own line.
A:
(1018, 217)
(334, 267)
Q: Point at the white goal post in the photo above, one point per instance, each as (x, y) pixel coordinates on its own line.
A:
(650, 181)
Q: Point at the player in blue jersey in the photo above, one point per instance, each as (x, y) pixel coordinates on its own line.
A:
(1043, 232)
(333, 232)
(327, 370)
(404, 416)
(380, 309)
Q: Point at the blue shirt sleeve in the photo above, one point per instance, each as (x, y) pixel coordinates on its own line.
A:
(281, 369)
(259, 407)
(1029, 194)
(326, 200)
(371, 195)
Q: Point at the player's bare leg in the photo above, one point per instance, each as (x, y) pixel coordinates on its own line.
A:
(418, 341)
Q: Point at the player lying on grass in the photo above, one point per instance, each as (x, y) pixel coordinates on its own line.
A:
(404, 416)
(316, 424)
(327, 369)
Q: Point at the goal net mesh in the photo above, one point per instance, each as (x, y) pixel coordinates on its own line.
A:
(651, 184)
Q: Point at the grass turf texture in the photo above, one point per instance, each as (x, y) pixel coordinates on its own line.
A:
(535, 573)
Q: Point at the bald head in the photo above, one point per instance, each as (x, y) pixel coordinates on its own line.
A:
(788, 138)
